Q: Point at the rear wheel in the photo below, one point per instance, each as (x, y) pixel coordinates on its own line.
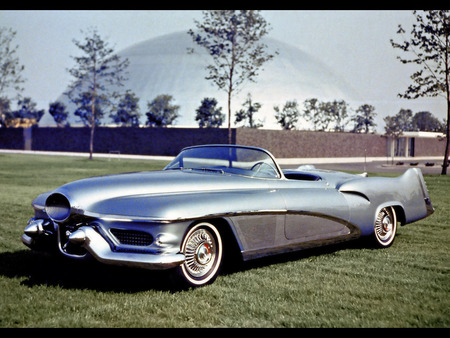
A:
(203, 250)
(385, 227)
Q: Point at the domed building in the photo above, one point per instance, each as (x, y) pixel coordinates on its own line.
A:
(162, 65)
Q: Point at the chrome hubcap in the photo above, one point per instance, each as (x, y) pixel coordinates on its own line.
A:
(200, 253)
(203, 255)
(385, 226)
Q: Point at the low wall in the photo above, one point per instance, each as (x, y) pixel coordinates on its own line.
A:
(12, 138)
(136, 141)
(169, 141)
(310, 144)
(429, 147)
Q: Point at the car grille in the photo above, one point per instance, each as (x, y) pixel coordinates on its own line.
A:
(132, 237)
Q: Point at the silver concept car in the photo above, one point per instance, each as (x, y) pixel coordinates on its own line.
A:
(214, 197)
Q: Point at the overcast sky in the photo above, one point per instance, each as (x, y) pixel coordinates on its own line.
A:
(354, 44)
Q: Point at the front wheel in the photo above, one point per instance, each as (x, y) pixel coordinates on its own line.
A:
(203, 250)
(385, 227)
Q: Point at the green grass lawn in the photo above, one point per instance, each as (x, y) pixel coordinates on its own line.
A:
(348, 285)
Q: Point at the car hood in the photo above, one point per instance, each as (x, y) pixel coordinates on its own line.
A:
(84, 195)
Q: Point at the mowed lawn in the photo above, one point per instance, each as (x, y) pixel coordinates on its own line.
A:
(347, 285)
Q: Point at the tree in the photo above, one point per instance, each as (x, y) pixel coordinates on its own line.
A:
(364, 119)
(27, 111)
(10, 69)
(127, 111)
(396, 125)
(85, 104)
(58, 111)
(97, 71)
(425, 121)
(161, 113)
(208, 116)
(5, 114)
(248, 113)
(337, 112)
(429, 48)
(288, 116)
(232, 38)
(324, 118)
(312, 111)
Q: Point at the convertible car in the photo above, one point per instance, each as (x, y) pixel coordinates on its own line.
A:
(215, 197)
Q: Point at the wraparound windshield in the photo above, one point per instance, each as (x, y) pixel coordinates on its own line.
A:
(223, 159)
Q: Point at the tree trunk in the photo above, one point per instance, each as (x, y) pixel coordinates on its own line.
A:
(91, 142)
(447, 89)
(445, 162)
(229, 117)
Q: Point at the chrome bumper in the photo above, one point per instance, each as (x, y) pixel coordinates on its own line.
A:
(94, 243)
(99, 248)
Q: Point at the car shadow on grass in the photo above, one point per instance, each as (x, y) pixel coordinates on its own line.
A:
(362, 243)
(36, 268)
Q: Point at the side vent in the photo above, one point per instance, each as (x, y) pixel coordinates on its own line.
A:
(356, 193)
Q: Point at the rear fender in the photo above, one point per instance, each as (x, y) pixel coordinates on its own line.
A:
(407, 193)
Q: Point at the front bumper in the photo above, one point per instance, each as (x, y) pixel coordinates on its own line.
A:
(96, 245)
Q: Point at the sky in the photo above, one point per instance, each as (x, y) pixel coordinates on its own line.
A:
(355, 44)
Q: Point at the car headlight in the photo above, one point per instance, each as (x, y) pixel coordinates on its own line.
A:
(57, 207)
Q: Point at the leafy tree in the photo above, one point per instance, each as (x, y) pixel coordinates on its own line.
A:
(95, 74)
(335, 111)
(161, 113)
(127, 112)
(312, 112)
(425, 121)
(429, 48)
(208, 116)
(396, 125)
(288, 116)
(85, 105)
(10, 68)
(58, 111)
(27, 110)
(364, 119)
(10, 71)
(232, 38)
(5, 113)
(248, 113)
(324, 118)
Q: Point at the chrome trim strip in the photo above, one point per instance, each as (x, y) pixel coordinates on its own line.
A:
(206, 216)
(121, 218)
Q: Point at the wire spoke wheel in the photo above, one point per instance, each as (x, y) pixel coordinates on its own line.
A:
(385, 226)
(202, 247)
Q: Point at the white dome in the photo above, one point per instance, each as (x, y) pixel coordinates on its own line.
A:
(163, 65)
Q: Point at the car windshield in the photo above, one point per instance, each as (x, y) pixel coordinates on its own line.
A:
(227, 159)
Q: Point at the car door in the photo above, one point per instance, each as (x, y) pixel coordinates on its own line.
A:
(314, 211)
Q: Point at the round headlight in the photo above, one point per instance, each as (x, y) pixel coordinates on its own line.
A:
(57, 207)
